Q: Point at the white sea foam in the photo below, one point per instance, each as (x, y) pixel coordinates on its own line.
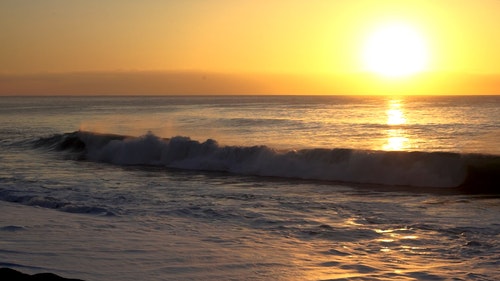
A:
(359, 166)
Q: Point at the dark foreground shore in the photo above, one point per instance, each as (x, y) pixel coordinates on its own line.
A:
(14, 275)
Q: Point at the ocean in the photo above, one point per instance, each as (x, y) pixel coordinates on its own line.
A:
(251, 187)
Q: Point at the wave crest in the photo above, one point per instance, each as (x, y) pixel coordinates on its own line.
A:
(423, 169)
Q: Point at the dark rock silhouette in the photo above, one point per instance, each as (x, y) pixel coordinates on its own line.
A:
(14, 275)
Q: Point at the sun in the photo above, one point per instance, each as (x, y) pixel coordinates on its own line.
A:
(395, 50)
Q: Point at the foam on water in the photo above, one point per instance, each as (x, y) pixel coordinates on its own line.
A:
(418, 169)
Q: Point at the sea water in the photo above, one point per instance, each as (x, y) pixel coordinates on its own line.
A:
(251, 187)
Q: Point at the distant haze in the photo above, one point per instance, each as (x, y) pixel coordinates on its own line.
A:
(202, 83)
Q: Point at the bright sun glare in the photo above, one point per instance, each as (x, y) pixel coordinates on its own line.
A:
(395, 50)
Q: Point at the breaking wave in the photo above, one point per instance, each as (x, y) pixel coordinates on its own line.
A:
(419, 169)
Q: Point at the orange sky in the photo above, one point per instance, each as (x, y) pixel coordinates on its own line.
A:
(237, 46)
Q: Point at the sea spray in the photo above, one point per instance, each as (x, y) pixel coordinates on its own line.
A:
(423, 169)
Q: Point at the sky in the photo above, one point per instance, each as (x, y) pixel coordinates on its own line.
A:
(239, 46)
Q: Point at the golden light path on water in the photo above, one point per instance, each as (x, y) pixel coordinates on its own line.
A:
(393, 253)
(388, 123)
(396, 137)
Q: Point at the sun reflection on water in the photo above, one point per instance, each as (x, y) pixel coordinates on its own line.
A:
(395, 115)
(396, 139)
